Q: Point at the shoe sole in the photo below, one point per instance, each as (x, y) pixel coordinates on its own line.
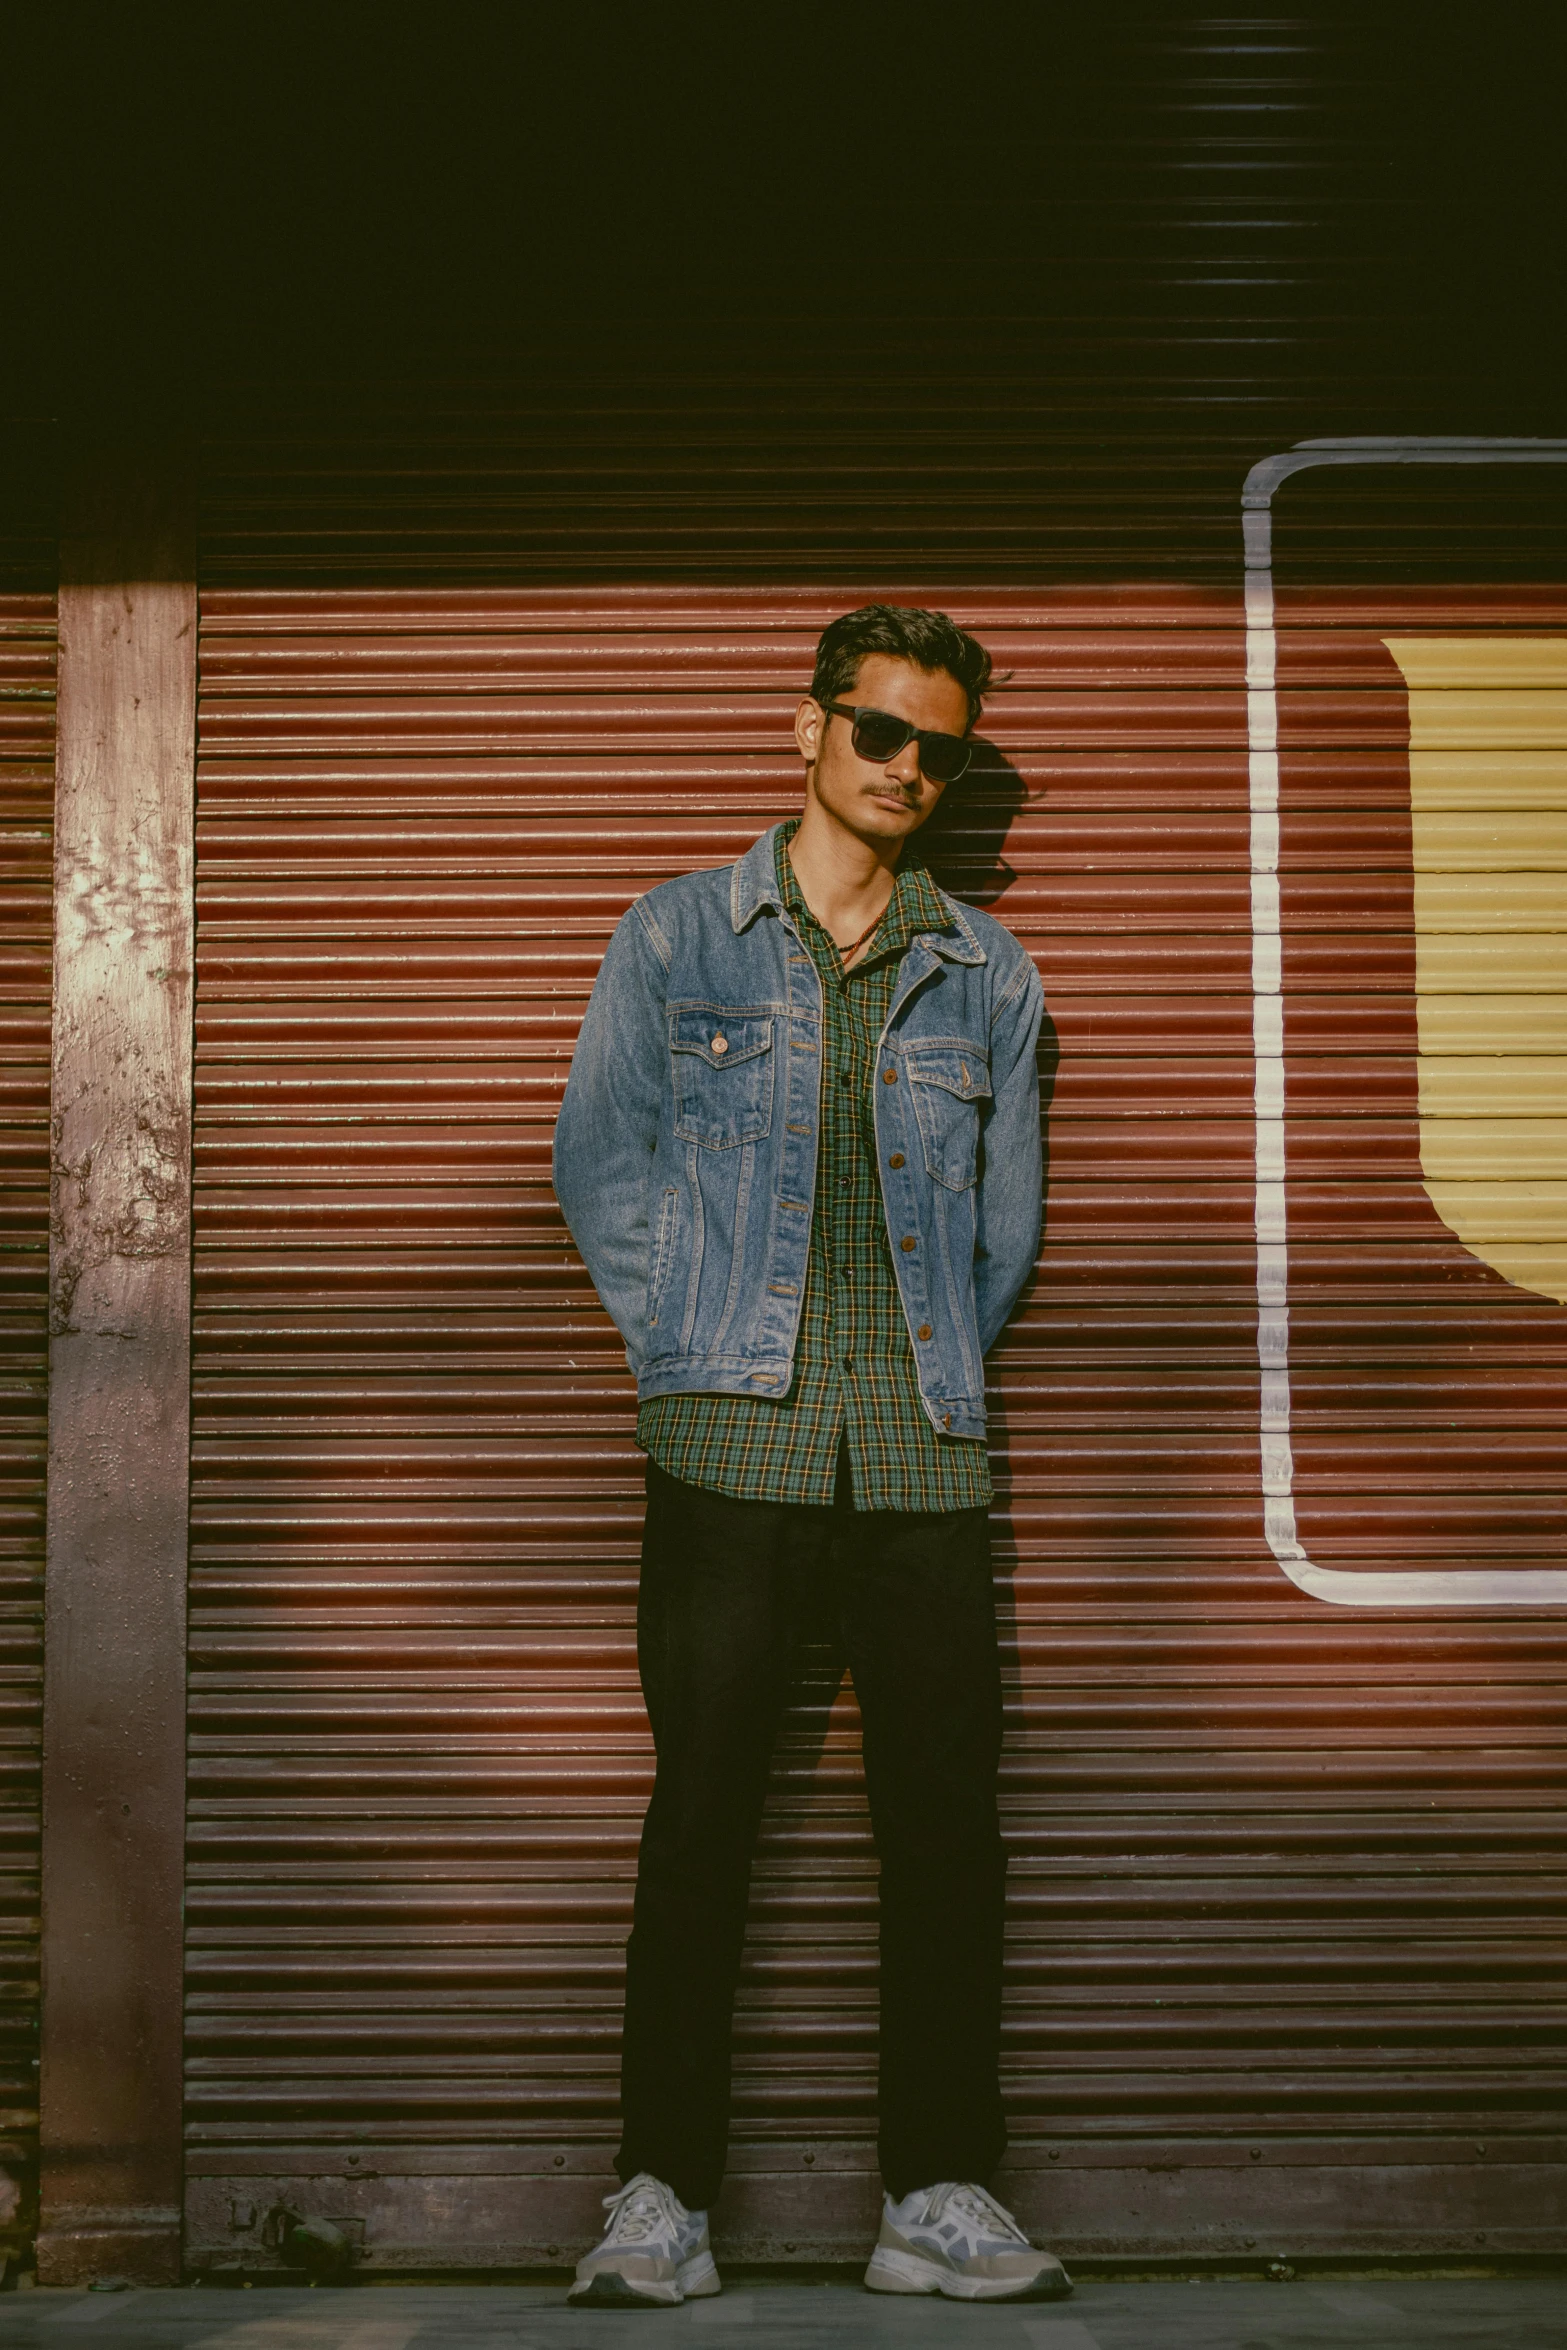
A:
(696, 2279)
(891, 2271)
(605, 2290)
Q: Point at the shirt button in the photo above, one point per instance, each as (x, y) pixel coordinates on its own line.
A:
(924, 1330)
(889, 1076)
(844, 1078)
(845, 1183)
(908, 1241)
(896, 1159)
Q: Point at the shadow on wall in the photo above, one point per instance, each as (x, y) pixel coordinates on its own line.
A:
(963, 843)
(964, 846)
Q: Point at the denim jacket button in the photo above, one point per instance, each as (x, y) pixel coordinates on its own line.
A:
(889, 1076)
(720, 1044)
(908, 1241)
(924, 1330)
(896, 1159)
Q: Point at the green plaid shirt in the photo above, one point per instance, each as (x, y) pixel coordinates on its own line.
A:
(854, 1362)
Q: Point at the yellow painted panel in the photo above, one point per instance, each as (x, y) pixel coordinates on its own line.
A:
(1494, 1150)
(1488, 901)
(1478, 963)
(1496, 778)
(1488, 817)
(1439, 661)
(1493, 1023)
(1492, 1085)
(1463, 719)
(1515, 1212)
(1495, 840)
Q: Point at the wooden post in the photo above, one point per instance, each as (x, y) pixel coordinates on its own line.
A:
(119, 1375)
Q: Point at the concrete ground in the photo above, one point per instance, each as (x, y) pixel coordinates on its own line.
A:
(1478, 2313)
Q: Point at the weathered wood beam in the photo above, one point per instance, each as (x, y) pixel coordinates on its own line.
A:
(119, 1373)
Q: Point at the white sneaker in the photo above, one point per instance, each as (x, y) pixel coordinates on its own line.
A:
(956, 2239)
(654, 2253)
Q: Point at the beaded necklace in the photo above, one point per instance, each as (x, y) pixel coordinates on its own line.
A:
(847, 954)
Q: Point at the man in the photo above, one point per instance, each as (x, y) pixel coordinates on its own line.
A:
(799, 1151)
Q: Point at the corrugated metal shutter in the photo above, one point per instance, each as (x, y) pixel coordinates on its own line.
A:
(1423, 738)
(1283, 1942)
(27, 667)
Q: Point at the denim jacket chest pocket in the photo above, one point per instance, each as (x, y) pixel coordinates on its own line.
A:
(723, 1074)
(950, 1084)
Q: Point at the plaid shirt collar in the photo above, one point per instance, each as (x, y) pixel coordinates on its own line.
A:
(758, 881)
(913, 909)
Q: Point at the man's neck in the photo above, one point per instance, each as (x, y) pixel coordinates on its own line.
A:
(847, 882)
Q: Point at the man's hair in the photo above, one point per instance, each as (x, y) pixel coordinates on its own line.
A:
(928, 640)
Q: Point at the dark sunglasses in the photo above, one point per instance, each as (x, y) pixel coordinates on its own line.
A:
(878, 736)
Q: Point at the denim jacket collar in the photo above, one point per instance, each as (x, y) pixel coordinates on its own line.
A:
(754, 884)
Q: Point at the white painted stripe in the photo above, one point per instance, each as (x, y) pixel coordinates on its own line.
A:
(1523, 1587)
(1273, 1335)
(1262, 709)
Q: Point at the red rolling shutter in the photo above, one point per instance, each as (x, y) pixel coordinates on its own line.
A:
(1423, 804)
(1280, 1948)
(27, 663)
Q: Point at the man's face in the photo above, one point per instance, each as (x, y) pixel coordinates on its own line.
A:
(875, 802)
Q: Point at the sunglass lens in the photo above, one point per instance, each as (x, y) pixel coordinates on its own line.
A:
(878, 735)
(944, 757)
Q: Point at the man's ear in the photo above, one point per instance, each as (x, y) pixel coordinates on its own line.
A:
(810, 722)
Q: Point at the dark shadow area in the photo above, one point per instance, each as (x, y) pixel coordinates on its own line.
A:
(1339, 192)
(964, 842)
(964, 846)
(1158, 247)
(1403, 526)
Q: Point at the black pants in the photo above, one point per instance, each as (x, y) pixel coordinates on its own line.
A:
(726, 1588)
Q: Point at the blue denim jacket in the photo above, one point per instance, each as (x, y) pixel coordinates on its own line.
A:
(685, 1154)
